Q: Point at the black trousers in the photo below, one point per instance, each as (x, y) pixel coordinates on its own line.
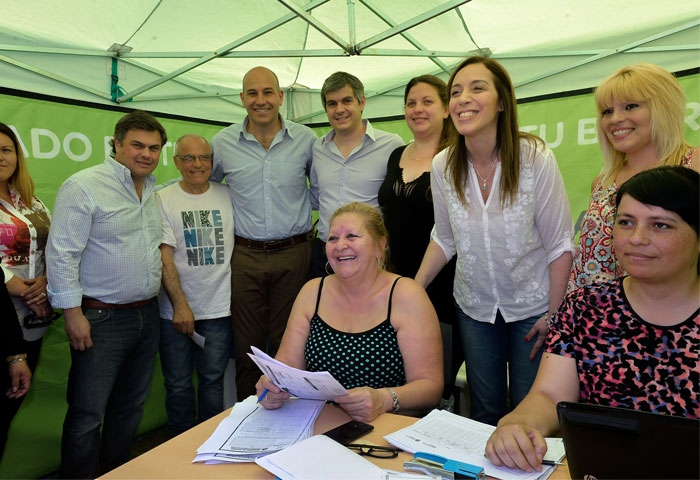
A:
(319, 261)
(10, 406)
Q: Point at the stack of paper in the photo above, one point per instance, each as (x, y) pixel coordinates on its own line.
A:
(462, 439)
(251, 431)
(320, 458)
(298, 383)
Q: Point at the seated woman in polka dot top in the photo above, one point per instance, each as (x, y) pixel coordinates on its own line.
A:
(375, 332)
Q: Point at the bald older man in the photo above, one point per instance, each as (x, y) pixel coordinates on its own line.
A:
(196, 248)
(266, 162)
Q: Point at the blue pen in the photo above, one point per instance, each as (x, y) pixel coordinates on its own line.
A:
(262, 395)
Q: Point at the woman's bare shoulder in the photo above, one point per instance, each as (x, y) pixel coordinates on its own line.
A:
(409, 296)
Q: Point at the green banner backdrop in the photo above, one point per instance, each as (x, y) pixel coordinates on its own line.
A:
(60, 139)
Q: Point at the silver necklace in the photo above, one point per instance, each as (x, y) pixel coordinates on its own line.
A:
(484, 186)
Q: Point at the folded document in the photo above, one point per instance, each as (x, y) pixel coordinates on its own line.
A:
(298, 383)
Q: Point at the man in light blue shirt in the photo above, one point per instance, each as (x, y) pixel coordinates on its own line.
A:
(104, 270)
(349, 163)
(266, 161)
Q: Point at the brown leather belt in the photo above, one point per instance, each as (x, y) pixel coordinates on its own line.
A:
(93, 303)
(273, 245)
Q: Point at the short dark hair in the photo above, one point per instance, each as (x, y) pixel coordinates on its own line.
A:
(337, 81)
(137, 120)
(673, 188)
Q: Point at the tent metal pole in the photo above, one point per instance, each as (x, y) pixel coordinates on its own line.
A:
(608, 53)
(410, 38)
(352, 27)
(53, 76)
(219, 52)
(430, 14)
(324, 30)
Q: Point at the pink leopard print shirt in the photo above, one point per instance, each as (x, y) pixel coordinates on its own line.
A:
(623, 361)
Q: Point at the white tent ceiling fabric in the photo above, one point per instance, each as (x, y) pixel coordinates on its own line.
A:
(188, 58)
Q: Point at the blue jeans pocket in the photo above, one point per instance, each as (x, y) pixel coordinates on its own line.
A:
(97, 315)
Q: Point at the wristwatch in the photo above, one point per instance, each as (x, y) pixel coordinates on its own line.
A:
(395, 400)
(21, 357)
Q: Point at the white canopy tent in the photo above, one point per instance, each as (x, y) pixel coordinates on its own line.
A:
(188, 58)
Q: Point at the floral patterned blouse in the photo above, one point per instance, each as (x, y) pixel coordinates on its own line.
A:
(24, 230)
(595, 261)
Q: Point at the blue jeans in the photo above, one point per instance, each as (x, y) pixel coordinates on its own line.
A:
(498, 361)
(179, 357)
(107, 386)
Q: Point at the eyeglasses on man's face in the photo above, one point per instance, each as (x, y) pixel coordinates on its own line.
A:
(373, 450)
(191, 158)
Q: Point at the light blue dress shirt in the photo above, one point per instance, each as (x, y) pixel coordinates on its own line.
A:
(336, 180)
(269, 189)
(104, 241)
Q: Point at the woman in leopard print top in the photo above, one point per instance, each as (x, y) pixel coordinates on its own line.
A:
(632, 342)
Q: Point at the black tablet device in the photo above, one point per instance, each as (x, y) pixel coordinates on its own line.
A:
(607, 442)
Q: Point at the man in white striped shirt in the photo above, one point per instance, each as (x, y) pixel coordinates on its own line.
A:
(104, 270)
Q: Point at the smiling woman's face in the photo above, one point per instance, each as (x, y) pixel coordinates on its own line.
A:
(8, 158)
(350, 246)
(474, 103)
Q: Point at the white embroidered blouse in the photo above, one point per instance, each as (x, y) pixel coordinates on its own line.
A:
(503, 254)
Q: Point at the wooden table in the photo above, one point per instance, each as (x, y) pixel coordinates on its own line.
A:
(173, 459)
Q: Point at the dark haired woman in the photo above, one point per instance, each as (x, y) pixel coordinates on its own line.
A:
(501, 207)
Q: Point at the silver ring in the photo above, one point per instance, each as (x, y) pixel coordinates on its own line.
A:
(43, 294)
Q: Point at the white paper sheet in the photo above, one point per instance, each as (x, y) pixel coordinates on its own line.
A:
(198, 339)
(320, 458)
(459, 438)
(299, 383)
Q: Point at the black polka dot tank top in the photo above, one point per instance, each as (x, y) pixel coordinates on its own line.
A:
(364, 359)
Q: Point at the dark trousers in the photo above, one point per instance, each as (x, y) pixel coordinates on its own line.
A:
(264, 286)
(107, 387)
(319, 261)
(10, 406)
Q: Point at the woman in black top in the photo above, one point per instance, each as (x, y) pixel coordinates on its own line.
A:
(407, 207)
